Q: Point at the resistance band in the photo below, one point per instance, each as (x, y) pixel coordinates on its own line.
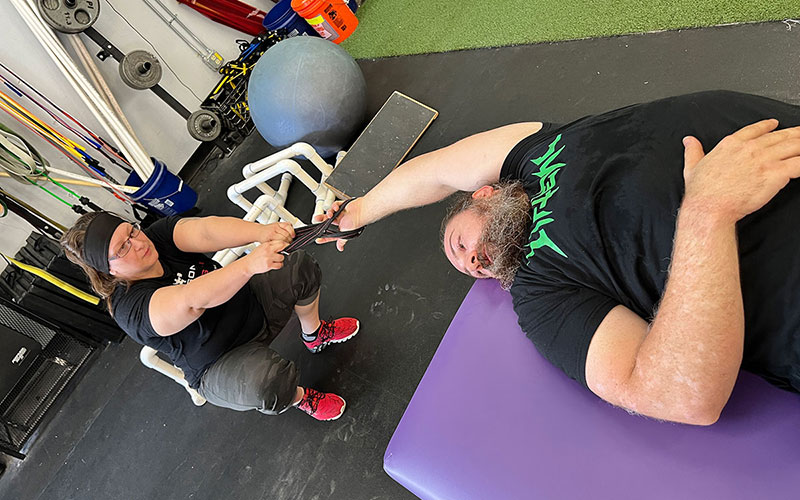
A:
(94, 140)
(304, 236)
(20, 159)
(69, 147)
(71, 150)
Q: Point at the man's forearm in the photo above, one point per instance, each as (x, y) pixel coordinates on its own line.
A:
(463, 166)
(413, 184)
(691, 356)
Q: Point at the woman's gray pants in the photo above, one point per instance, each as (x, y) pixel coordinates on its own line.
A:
(253, 376)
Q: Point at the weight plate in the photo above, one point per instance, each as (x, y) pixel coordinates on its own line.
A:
(69, 16)
(140, 70)
(204, 125)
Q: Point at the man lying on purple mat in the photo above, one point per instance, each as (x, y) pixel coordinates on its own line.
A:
(644, 268)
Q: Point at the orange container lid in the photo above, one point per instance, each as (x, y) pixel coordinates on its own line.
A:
(307, 7)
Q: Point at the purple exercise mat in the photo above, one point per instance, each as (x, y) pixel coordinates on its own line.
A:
(492, 419)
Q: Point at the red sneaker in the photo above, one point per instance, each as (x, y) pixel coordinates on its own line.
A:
(333, 332)
(322, 405)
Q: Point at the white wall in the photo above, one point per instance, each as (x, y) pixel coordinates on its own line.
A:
(161, 130)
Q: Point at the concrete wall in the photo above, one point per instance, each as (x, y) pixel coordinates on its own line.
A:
(161, 130)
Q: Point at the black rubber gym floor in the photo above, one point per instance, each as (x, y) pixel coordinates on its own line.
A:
(129, 433)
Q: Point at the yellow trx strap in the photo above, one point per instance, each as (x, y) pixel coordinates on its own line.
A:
(55, 281)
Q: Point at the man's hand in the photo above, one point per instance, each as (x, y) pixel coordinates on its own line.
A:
(266, 257)
(743, 172)
(279, 231)
(683, 366)
(348, 220)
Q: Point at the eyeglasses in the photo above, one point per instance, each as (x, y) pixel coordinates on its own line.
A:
(126, 245)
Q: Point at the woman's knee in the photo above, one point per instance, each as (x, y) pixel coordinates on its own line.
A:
(250, 377)
(306, 275)
(279, 387)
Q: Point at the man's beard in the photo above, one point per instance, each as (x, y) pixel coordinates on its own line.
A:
(507, 213)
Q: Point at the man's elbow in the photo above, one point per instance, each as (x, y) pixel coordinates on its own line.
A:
(705, 408)
(700, 418)
(685, 409)
(704, 414)
(703, 419)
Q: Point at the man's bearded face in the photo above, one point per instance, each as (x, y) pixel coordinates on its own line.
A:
(483, 236)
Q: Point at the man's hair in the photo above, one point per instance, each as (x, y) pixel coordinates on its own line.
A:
(462, 201)
(507, 215)
(73, 242)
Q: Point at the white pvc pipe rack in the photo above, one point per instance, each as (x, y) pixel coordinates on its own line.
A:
(256, 212)
(149, 358)
(257, 174)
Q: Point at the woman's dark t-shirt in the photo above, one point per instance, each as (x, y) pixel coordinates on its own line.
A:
(214, 333)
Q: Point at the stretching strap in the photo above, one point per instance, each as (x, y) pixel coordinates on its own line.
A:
(306, 235)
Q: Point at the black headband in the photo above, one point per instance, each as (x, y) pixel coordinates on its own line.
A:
(98, 239)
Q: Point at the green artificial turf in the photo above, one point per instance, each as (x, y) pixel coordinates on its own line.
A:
(401, 27)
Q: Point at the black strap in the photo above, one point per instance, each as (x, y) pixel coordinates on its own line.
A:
(306, 235)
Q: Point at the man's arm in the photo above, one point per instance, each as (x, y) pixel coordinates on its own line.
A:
(173, 308)
(683, 366)
(465, 165)
(462, 166)
(211, 234)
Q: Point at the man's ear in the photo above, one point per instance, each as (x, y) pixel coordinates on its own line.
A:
(483, 192)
